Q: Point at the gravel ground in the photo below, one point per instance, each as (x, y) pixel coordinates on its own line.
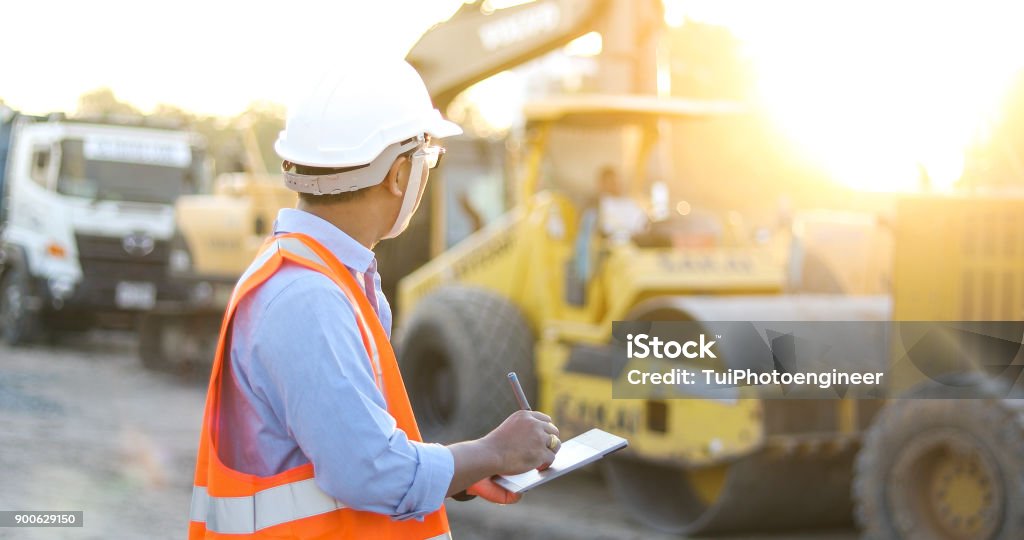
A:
(84, 427)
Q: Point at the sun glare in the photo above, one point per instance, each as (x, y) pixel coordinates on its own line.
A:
(490, 107)
(882, 95)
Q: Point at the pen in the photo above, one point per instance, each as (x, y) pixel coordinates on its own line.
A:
(518, 389)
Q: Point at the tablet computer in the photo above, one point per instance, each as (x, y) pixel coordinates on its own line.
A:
(575, 453)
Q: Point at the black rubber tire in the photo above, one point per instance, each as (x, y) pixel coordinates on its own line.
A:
(455, 354)
(18, 324)
(151, 347)
(993, 428)
(763, 492)
(179, 343)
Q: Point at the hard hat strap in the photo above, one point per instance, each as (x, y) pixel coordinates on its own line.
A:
(353, 179)
(411, 198)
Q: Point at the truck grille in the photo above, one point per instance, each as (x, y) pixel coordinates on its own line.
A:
(105, 248)
(105, 263)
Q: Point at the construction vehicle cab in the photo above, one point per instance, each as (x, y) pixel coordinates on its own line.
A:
(559, 190)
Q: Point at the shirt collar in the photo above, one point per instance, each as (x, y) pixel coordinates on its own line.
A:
(351, 253)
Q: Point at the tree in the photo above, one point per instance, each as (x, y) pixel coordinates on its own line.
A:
(265, 120)
(173, 114)
(102, 102)
(227, 138)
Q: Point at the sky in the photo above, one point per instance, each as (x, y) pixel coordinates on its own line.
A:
(209, 56)
(868, 88)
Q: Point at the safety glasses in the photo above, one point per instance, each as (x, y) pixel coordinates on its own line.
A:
(430, 154)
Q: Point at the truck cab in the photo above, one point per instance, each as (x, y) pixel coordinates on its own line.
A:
(86, 221)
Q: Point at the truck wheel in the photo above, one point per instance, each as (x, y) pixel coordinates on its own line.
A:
(934, 467)
(18, 323)
(180, 343)
(152, 347)
(455, 353)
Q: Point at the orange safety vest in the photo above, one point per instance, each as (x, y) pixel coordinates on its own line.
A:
(228, 504)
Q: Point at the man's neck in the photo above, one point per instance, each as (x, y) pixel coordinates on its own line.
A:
(357, 221)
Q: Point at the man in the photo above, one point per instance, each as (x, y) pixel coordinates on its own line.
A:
(609, 212)
(619, 215)
(308, 432)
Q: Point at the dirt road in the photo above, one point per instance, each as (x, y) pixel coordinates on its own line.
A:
(84, 427)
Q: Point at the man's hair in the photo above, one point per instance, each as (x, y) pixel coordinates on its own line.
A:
(346, 196)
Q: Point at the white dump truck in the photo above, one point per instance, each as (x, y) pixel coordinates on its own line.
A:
(87, 220)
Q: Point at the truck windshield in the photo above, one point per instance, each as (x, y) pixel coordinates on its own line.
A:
(119, 177)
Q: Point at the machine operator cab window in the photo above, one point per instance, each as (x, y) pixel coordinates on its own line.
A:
(605, 160)
(590, 166)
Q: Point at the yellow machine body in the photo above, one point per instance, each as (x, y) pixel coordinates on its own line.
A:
(224, 229)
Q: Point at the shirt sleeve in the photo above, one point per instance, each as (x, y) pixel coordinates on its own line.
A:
(310, 349)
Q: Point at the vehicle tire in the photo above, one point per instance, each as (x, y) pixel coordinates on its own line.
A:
(18, 324)
(455, 354)
(935, 467)
(180, 343)
(55, 327)
(152, 350)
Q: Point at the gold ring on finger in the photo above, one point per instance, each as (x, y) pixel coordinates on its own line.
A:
(553, 441)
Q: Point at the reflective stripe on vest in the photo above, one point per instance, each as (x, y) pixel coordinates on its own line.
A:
(273, 506)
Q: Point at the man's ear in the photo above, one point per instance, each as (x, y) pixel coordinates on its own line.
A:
(397, 178)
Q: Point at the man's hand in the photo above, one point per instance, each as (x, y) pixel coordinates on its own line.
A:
(488, 490)
(525, 440)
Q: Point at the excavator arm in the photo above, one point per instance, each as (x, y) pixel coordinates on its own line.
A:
(476, 44)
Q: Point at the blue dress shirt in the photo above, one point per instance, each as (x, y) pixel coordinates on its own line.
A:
(300, 389)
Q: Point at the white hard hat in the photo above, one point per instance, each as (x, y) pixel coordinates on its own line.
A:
(352, 115)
